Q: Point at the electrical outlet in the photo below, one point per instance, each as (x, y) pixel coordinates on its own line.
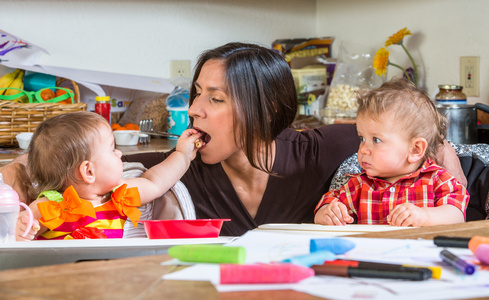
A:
(469, 75)
(180, 68)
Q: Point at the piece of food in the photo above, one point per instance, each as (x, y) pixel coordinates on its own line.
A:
(47, 94)
(198, 143)
(62, 92)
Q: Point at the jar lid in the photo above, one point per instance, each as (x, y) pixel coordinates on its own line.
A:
(450, 87)
(102, 98)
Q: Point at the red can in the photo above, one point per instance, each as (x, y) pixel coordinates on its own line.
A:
(102, 106)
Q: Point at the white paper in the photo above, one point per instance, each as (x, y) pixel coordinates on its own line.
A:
(271, 246)
(17, 53)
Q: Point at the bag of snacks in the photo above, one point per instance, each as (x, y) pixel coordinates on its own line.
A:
(354, 72)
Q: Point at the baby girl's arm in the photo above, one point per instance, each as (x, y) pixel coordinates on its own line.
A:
(160, 178)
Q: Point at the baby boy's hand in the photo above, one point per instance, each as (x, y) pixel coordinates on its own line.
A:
(22, 222)
(407, 214)
(334, 213)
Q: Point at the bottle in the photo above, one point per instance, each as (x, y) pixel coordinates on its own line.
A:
(9, 211)
(102, 106)
(451, 94)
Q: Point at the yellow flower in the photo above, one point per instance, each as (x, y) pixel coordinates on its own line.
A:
(381, 60)
(397, 37)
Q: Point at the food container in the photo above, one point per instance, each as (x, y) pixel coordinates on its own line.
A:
(126, 137)
(24, 139)
(183, 229)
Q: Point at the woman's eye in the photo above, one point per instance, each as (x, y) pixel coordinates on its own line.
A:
(217, 100)
(377, 140)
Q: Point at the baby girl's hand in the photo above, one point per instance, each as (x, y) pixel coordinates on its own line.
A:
(187, 143)
(22, 222)
(407, 214)
(334, 213)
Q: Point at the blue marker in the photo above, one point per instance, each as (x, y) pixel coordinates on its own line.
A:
(315, 258)
(335, 245)
(457, 262)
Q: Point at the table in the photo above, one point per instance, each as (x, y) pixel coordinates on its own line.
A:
(140, 277)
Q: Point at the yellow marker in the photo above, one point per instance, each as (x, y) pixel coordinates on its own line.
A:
(435, 271)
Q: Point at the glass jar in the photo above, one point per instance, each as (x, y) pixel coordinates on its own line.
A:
(102, 106)
(451, 94)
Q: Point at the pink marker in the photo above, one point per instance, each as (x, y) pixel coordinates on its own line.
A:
(263, 273)
(482, 254)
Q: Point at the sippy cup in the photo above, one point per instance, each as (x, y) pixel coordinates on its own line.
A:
(9, 211)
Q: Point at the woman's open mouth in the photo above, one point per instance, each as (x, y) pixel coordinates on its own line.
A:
(205, 138)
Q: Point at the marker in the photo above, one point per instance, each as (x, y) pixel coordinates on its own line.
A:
(482, 254)
(457, 262)
(335, 245)
(461, 242)
(433, 271)
(346, 271)
(263, 273)
(208, 254)
(314, 258)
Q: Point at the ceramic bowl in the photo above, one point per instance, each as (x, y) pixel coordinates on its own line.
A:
(126, 137)
(24, 139)
(183, 229)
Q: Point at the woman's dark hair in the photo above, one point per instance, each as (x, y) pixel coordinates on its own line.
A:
(263, 95)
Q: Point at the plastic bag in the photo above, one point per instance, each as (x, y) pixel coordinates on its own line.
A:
(354, 73)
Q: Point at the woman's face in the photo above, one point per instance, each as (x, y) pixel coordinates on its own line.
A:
(212, 113)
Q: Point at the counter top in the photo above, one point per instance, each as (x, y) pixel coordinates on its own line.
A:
(156, 145)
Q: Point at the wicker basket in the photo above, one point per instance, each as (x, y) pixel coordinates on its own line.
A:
(24, 117)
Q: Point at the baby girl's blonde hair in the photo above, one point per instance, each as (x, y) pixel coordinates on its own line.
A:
(414, 112)
(58, 147)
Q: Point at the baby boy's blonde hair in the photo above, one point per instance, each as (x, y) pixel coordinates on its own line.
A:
(415, 114)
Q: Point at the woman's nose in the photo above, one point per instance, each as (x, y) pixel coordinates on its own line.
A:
(196, 109)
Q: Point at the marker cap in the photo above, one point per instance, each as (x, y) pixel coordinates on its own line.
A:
(315, 258)
(263, 273)
(208, 254)
(476, 241)
(335, 245)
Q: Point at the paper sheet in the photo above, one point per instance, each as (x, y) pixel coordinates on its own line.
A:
(17, 53)
(268, 246)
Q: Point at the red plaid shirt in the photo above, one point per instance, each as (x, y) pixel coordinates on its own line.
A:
(372, 199)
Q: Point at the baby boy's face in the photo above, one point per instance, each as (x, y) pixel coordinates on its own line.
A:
(384, 148)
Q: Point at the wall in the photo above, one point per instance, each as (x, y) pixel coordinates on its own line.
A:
(443, 30)
(141, 37)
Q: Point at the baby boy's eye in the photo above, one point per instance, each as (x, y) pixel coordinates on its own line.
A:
(362, 139)
(377, 140)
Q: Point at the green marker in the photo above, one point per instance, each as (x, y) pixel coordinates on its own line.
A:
(208, 254)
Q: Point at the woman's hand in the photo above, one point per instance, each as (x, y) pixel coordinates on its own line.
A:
(448, 159)
(334, 213)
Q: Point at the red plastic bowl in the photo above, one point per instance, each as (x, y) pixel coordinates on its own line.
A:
(183, 229)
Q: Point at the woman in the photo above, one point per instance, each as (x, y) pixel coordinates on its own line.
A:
(253, 169)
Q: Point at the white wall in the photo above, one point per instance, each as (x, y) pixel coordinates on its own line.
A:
(443, 30)
(141, 37)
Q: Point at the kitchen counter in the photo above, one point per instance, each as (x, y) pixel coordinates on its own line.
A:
(156, 145)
